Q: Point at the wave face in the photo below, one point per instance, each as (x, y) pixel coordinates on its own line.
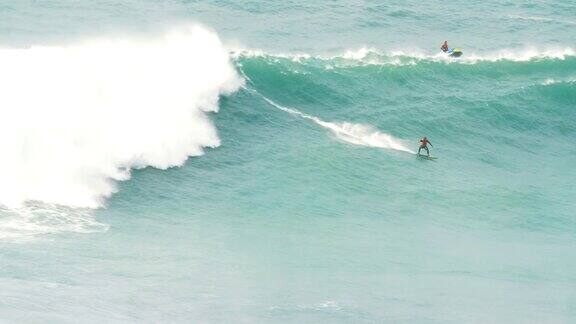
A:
(76, 119)
(496, 122)
(404, 94)
(358, 134)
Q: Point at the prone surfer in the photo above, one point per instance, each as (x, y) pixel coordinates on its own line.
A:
(424, 145)
(444, 47)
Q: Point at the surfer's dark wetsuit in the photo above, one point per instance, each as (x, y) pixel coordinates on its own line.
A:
(424, 145)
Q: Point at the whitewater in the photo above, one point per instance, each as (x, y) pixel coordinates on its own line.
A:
(215, 162)
(78, 117)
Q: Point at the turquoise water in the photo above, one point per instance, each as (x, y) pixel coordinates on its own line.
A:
(308, 206)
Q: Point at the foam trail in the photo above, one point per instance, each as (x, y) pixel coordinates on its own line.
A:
(357, 134)
(76, 119)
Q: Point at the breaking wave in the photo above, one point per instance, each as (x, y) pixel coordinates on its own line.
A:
(76, 119)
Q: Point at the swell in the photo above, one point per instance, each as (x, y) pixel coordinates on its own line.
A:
(528, 98)
(329, 77)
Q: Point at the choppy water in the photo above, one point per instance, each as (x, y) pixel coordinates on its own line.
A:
(259, 168)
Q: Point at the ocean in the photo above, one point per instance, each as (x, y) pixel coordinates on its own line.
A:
(217, 161)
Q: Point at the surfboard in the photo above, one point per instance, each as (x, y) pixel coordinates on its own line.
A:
(424, 157)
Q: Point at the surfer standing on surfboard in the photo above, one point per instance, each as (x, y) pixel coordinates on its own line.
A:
(424, 145)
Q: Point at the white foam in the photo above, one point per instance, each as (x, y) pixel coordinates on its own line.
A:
(358, 54)
(75, 119)
(25, 223)
(550, 81)
(237, 52)
(372, 56)
(521, 55)
(508, 54)
(357, 134)
(535, 18)
(473, 57)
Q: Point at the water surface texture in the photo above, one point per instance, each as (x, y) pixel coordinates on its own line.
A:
(253, 162)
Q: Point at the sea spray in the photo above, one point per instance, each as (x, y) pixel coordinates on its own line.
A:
(75, 119)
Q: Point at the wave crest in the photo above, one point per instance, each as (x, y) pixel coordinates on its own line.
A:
(371, 56)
